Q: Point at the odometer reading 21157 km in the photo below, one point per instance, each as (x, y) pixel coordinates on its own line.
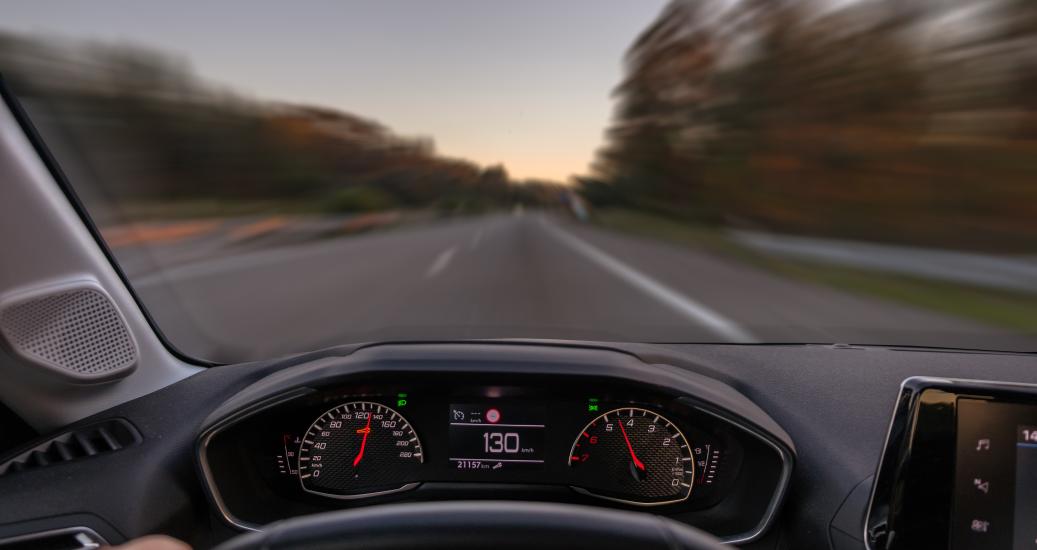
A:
(359, 449)
(633, 455)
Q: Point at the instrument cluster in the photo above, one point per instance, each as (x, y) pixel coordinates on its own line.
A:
(587, 427)
(637, 450)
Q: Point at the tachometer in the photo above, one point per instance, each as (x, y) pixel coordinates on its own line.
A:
(359, 449)
(635, 456)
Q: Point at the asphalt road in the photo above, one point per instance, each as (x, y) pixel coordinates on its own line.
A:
(512, 275)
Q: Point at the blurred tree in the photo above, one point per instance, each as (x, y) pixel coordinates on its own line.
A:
(905, 121)
(150, 130)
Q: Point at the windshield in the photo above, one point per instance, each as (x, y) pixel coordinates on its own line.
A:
(279, 177)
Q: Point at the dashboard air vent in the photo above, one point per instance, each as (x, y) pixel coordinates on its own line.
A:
(86, 441)
(69, 538)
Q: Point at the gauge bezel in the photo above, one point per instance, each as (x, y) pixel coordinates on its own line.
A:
(670, 424)
(354, 496)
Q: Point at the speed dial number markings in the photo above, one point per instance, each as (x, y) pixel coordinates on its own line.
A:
(358, 449)
(633, 455)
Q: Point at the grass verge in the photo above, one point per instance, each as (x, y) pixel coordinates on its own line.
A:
(1002, 308)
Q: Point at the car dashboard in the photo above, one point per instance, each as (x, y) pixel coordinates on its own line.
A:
(785, 446)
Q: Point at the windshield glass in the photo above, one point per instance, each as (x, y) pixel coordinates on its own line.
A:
(279, 177)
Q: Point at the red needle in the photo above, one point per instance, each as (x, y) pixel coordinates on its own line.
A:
(366, 430)
(640, 465)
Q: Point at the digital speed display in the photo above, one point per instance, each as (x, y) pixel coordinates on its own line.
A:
(498, 436)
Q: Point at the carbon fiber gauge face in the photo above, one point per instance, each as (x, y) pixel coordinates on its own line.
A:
(633, 455)
(358, 449)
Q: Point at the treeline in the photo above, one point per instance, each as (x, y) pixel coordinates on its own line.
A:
(141, 126)
(909, 121)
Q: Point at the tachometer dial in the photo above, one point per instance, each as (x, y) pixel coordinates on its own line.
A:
(358, 449)
(633, 455)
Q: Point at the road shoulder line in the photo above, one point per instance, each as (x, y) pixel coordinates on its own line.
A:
(691, 309)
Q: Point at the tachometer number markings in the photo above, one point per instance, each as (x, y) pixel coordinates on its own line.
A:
(633, 455)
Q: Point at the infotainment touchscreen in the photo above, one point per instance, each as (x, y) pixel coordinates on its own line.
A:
(995, 489)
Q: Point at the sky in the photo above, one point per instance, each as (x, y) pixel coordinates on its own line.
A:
(525, 83)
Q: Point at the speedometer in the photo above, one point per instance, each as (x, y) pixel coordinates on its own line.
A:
(635, 456)
(359, 449)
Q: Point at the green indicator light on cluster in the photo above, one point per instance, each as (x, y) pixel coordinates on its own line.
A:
(401, 400)
(592, 404)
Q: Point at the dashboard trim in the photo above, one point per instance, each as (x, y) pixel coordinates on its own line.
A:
(783, 482)
(909, 391)
(93, 540)
(203, 448)
(358, 496)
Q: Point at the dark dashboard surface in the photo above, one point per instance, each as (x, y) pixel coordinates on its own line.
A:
(833, 401)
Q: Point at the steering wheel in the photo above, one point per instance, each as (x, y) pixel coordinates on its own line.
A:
(476, 524)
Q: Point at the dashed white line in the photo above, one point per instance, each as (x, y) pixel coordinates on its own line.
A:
(441, 262)
(699, 313)
(477, 238)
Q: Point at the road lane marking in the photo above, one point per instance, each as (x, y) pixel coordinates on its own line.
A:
(441, 262)
(477, 238)
(699, 313)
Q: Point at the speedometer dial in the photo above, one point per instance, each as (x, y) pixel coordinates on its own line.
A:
(633, 455)
(359, 449)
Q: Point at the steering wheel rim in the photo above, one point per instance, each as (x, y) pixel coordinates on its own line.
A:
(476, 524)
